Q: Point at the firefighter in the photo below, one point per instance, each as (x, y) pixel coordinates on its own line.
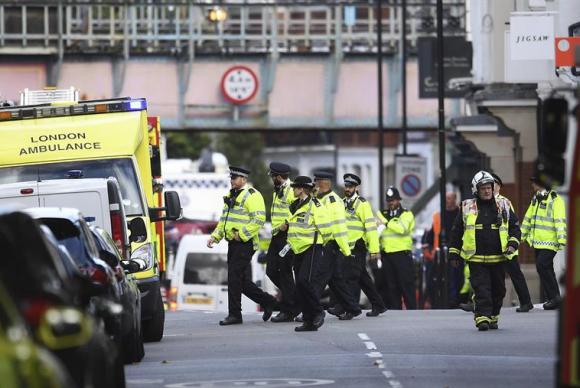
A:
(485, 234)
(279, 269)
(363, 238)
(544, 229)
(337, 248)
(512, 267)
(308, 229)
(242, 217)
(397, 243)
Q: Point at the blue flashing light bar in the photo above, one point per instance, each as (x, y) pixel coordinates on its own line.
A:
(138, 105)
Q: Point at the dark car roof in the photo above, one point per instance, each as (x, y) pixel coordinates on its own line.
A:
(27, 259)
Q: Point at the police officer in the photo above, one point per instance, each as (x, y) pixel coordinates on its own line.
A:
(279, 269)
(363, 238)
(397, 243)
(242, 217)
(308, 229)
(486, 233)
(544, 229)
(337, 248)
(512, 267)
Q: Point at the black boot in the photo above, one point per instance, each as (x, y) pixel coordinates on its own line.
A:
(306, 326)
(282, 317)
(524, 308)
(468, 307)
(483, 326)
(375, 312)
(337, 311)
(319, 320)
(267, 313)
(552, 304)
(231, 320)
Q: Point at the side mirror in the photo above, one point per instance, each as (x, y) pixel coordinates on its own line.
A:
(64, 328)
(138, 230)
(132, 266)
(172, 206)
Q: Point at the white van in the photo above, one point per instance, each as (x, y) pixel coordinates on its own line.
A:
(200, 276)
(98, 199)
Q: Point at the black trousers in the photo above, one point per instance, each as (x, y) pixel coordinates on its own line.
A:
(545, 268)
(455, 278)
(240, 279)
(358, 279)
(311, 276)
(279, 270)
(488, 282)
(399, 270)
(336, 281)
(512, 267)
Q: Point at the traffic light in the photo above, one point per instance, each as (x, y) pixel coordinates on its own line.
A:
(552, 139)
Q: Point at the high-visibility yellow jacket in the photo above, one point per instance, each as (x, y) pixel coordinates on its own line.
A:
(334, 207)
(361, 223)
(279, 212)
(398, 233)
(544, 225)
(245, 213)
(308, 224)
(463, 236)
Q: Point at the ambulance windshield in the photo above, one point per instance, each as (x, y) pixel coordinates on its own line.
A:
(122, 169)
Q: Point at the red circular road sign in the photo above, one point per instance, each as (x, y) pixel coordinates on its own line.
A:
(411, 185)
(239, 84)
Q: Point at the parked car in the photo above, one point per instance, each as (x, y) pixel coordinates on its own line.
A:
(47, 297)
(131, 341)
(23, 363)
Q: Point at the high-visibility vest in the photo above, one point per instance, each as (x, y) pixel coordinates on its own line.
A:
(469, 212)
(361, 223)
(334, 207)
(309, 225)
(398, 233)
(279, 212)
(246, 215)
(544, 225)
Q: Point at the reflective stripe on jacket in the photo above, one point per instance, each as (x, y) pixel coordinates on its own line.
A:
(398, 233)
(544, 225)
(361, 223)
(334, 207)
(280, 210)
(309, 221)
(469, 213)
(247, 216)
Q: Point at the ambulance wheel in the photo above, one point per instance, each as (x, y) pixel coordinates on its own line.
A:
(153, 328)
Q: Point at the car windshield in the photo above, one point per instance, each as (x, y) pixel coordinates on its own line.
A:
(122, 169)
(206, 268)
(68, 234)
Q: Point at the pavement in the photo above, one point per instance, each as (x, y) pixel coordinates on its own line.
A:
(424, 348)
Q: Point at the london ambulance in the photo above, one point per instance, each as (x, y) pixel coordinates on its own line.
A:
(52, 133)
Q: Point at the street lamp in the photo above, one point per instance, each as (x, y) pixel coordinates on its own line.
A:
(217, 14)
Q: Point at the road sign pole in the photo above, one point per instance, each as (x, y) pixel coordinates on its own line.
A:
(442, 164)
(379, 18)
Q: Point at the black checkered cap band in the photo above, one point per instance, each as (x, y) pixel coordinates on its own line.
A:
(350, 180)
(238, 171)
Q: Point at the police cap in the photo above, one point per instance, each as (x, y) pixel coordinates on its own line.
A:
(392, 193)
(239, 171)
(351, 180)
(277, 168)
(302, 181)
(321, 175)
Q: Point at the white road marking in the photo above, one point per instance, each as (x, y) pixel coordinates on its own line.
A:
(395, 384)
(370, 345)
(388, 374)
(363, 336)
(375, 354)
(379, 360)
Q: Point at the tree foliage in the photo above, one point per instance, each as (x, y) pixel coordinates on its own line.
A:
(186, 144)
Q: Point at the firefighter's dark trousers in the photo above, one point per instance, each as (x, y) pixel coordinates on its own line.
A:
(488, 282)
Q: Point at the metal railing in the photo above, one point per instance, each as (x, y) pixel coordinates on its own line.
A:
(163, 28)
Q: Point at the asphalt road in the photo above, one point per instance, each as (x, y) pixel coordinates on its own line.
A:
(399, 349)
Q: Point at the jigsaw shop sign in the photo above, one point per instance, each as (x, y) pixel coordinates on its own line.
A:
(54, 142)
(531, 36)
